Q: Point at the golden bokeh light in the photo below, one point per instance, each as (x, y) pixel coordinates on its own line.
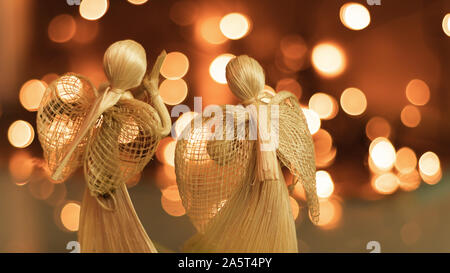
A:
(171, 193)
(294, 207)
(62, 28)
(49, 78)
(166, 151)
(21, 166)
(175, 66)
(431, 179)
(354, 16)
(86, 32)
(382, 153)
(210, 30)
(446, 24)
(429, 164)
(173, 92)
(165, 176)
(40, 188)
(378, 127)
(406, 160)
(328, 59)
(326, 160)
(418, 92)
(324, 105)
(409, 181)
(173, 208)
(218, 67)
(291, 85)
(183, 121)
(293, 47)
(353, 101)
(20, 134)
(410, 116)
(31, 94)
(386, 183)
(312, 119)
(184, 12)
(70, 216)
(137, 2)
(323, 142)
(324, 184)
(93, 9)
(330, 214)
(234, 26)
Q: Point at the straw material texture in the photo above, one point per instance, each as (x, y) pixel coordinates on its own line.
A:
(234, 191)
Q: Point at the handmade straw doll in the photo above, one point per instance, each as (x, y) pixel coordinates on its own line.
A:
(113, 136)
(228, 168)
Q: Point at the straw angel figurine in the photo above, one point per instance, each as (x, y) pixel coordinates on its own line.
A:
(113, 136)
(231, 183)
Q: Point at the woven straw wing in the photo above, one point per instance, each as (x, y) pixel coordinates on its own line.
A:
(296, 147)
(122, 145)
(209, 171)
(61, 114)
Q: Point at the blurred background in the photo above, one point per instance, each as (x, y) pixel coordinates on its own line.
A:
(372, 76)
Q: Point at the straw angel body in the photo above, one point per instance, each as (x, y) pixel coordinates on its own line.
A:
(232, 186)
(113, 136)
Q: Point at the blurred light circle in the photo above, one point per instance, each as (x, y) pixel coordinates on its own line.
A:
(93, 9)
(446, 24)
(210, 30)
(382, 153)
(353, 101)
(294, 207)
(291, 85)
(330, 214)
(173, 92)
(171, 192)
(70, 216)
(31, 94)
(20, 134)
(323, 142)
(354, 16)
(217, 69)
(324, 184)
(62, 28)
(418, 92)
(49, 78)
(409, 181)
(429, 164)
(293, 47)
(410, 116)
(166, 151)
(175, 66)
(432, 179)
(324, 105)
(21, 166)
(234, 26)
(312, 119)
(378, 127)
(184, 12)
(406, 160)
(86, 32)
(326, 160)
(173, 208)
(137, 2)
(386, 183)
(328, 59)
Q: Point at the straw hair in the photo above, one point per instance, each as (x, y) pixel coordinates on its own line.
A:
(113, 136)
(234, 191)
(125, 63)
(245, 77)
